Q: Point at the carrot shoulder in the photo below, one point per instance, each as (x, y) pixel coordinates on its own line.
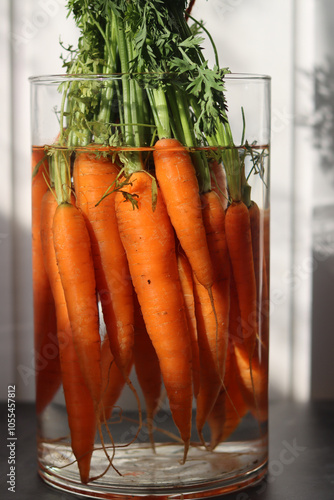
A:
(76, 269)
(149, 242)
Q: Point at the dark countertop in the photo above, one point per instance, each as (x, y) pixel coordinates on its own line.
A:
(301, 459)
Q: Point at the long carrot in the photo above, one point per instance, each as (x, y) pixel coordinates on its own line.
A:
(254, 389)
(187, 284)
(76, 269)
(179, 186)
(254, 219)
(210, 353)
(80, 407)
(92, 178)
(254, 385)
(213, 325)
(149, 241)
(239, 242)
(79, 403)
(230, 405)
(266, 241)
(48, 376)
(147, 369)
(259, 229)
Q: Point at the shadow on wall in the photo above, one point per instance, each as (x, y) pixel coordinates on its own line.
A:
(322, 126)
(323, 120)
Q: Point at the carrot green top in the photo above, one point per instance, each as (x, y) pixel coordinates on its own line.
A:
(164, 88)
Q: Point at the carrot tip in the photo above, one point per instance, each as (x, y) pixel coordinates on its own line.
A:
(185, 453)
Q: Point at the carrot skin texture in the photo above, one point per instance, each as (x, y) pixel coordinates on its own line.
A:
(79, 404)
(76, 269)
(148, 239)
(187, 284)
(173, 168)
(47, 366)
(213, 324)
(92, 178)
(257, 396)
(214, 223)
(239, 242)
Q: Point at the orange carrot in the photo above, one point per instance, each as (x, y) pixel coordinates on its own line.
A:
(213, 323)
(92, 178)
(47, 364)
(254, 385)
(255, 389)
(187, 285)
(113, 380)
(229, 407)
(210, 353)
(149, 242)
(266, 241)
(48, 376)
(76, 269)
(147, 369)
(80, 407)
(266, 281)
(79, 403)
(219, 182)
(179, 186)
(260, 257)
(254, 219)
(239, 242)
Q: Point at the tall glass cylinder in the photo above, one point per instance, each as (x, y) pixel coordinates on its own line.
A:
(151, 285)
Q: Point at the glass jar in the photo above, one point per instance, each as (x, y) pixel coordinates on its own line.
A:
(151, 285)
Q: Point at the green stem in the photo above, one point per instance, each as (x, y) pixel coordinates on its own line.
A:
(62, 175)
(107, 93)
(123, 55)
(199, 159)
(161, 111)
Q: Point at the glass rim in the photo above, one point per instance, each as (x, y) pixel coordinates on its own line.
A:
(58, 78)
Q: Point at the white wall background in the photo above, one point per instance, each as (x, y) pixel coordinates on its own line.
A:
(274, 37)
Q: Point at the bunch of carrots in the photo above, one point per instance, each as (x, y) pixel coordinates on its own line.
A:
(142, 205)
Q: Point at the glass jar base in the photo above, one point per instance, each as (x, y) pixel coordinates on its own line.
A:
(142, 473)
